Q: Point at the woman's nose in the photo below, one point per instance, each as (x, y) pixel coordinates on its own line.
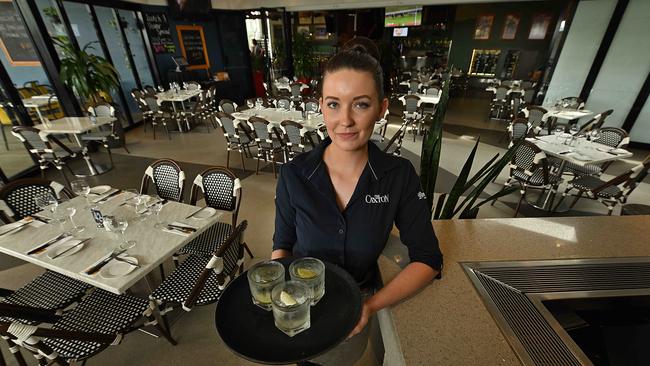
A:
(346, 119)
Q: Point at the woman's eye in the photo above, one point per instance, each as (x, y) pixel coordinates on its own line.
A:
(332, 105)
(363, 105)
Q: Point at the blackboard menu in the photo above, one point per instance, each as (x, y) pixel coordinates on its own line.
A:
(193, 46)
(159, 33)
(14, 38)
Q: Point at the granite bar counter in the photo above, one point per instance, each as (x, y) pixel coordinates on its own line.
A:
(447, 322)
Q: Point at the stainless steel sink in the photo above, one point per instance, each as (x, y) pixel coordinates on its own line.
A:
(515, 292)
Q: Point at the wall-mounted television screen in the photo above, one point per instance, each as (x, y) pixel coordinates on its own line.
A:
(400, 32)
(403, 16)
(185, 8)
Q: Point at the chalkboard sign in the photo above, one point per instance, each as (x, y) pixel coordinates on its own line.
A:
(159, 33)
(14, 40)
(193, 46)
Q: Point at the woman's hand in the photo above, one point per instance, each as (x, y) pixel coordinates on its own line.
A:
(366, 313)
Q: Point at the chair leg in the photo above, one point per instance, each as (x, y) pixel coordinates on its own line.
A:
(228, 158)
(521, 198)
(169, 136)
(576, 200)
(125, 148)
(257, 168)
(153, 127)
(162, 325)
(248, 250)
(162, 271)
(273, 165)
(241, 153)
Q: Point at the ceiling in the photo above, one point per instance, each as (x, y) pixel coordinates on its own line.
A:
(294, 5)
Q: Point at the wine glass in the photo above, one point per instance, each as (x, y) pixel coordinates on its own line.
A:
(155, 208)
(81, 188)
(559, 130)
(118, 225)
(47, 201)
(71, 211)
(574, 129)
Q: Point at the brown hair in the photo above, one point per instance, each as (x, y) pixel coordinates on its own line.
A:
(360, 54)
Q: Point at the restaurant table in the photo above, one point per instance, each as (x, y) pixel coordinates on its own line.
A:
(277, 115)
(582, 153)
(36, 102)
(510, 90)
(287, 86)
(181, 96)
(572, 115)
(424, 98)
(153, 245)
(76, 126)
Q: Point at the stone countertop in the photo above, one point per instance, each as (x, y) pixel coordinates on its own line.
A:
(447, 323)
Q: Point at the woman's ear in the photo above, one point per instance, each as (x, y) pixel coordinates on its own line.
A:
(384, 107)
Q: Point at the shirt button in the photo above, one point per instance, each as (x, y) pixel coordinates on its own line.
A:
(341, 231)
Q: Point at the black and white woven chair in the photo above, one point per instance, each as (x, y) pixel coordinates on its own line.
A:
(112, 135)
(294, 138)
(221, 190)
(17, 197)
(500, 103)
(296, 95)
(167, 178)
(529, 95)
(159, 114)
(227, 106)
(538, 121)
(518, 129)
(414, 86)
(283, 102)
(609, 193)
(237, 138)
(312, 105)
(530, 169)
(268, 146)
(46, 149)
(100, 320)
(201, 280)
(572, 103)
(394, 145)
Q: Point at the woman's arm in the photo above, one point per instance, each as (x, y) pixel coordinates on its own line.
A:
(280, 253)
(409, 281)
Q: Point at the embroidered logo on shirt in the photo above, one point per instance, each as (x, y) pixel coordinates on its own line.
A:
(421, 195)
(377, 198)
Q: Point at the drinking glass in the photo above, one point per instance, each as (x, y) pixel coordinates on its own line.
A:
(559, 130)
(81, 188)
(259, 103)
(47, 201)
(262, 277)
(155, 209)
(71, 211)
(291, 302)
(311, 272)
(118, 225)
(250, 104)
(594, 134)
(574, 129)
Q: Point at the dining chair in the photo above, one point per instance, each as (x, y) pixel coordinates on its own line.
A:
(312, 105)
(394, 145)
(596, 122)
(193, 85)
(294, 138)
(518, 129)
(609, 193)
(433, 90)
(529, 168)
(267, 145)
(237, 137)
(159, 114)
(529, 95)
(201, 280)
(283, 102)
(150, 91)
(515, 104)
(500, 102)
(221, 190)
(414, 86)
(227, 106)
(506, 83)
(46, 149)
(113, 134)
(167, 178)
(17, 197)
(295, 89)
(380, 135)
(536, 119)
(100, 320)
(526, 84)
(572, 103)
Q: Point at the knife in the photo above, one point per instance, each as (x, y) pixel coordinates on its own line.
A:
(183, 229)
(72, 247)
(120, 259)
(195, 212)
(46, 244)
(101, 264)
(13, 230)
(109, 196)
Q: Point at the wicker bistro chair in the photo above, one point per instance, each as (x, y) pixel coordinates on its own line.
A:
(167, 178)
(529, 167)
(612, 137)
(500, 102)
(394, 145)
(267, 146)
(596, 122)
(237, 138)
(159, 115)
(433, 90)
(17, 197)
(296, 92)
(515, 104)
(227, 106)
(611, 192)
(221, 190)
(414, 86)
(294, 138)
(312, 105)
(529, 95)
(537, 120)
(572, 103)
(113, 134)
(46, 149)
(99, 321)
(201, 280)
(283, 102)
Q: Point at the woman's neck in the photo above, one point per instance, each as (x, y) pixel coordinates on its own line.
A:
(348, 162)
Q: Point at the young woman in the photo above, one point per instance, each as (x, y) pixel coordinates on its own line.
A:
(339, 201)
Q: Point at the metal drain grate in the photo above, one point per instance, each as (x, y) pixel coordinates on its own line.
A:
(512, 292)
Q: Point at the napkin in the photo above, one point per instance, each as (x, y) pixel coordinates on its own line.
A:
(178, 232)
(47, 248)
(66, 240)
(4, 229)
(101, 196)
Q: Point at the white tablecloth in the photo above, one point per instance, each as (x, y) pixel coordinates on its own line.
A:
(287, 86)
(424, 98)
(582, 152)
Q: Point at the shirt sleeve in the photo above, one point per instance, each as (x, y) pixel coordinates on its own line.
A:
(414, 223)
(284, 236)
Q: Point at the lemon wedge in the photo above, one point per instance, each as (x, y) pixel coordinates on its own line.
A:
(306, 273)
(287, 299)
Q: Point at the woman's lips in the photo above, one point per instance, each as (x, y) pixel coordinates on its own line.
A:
(346, 135)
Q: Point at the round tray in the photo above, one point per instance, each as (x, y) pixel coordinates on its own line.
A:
(249, 331)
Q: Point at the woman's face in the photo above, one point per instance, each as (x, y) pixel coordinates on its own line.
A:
(351, 107)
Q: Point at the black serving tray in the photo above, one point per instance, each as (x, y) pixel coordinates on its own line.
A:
(249, 331)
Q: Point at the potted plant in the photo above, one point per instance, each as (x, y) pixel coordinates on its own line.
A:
(89, 76)
(303, 57)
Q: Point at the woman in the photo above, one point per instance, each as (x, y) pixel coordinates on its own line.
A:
(339, 201)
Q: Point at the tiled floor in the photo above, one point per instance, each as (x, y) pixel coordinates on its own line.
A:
(198, 149)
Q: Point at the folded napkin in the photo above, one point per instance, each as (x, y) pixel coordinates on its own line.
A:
(17, 226)
(68, 241)
(190, 229)
(45, 248)
(102, 196)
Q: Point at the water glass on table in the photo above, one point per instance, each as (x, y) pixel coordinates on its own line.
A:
(155, 207)
(71, 211)
(116, 225)
(47, 202)
(81, 188)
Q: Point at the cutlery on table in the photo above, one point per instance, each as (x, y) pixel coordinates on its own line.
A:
(109, 196)
(94, 269)
(72, 247)
(183, 229)
(196, 212)
(43, 246)
(14, 229)
(120, 259)
(45, 220)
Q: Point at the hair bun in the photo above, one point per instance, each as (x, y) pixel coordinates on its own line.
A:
(362, 45)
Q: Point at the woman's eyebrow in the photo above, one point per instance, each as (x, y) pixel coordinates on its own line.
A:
(355, 98)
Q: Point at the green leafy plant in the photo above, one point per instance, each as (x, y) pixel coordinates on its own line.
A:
(303, 55)
(88, 75)
(52, 14)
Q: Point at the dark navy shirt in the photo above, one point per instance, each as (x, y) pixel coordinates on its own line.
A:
(308, 221)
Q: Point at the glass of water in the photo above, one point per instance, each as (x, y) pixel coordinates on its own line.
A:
(81, 188)
(291, 302)
(155, 208)
(311, 272)
(118, 225)
(71, 211)
(262, 277)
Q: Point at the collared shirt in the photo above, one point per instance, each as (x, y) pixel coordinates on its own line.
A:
(308, 221)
